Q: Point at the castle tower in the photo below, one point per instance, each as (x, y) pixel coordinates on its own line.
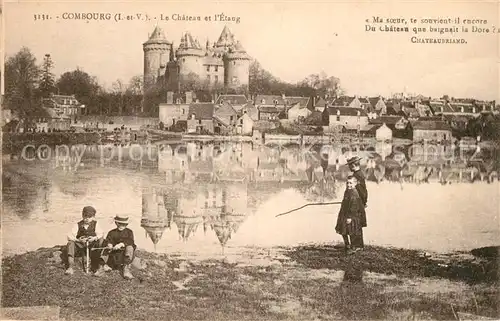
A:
(156, 55)
(236, 67)
(189, 56)
(154, 215)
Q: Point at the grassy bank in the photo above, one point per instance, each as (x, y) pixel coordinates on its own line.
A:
(313, 282)
(16, 141)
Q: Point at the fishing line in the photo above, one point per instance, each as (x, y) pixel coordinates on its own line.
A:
(309, 204)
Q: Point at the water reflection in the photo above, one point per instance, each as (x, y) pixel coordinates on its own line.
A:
(228, 193)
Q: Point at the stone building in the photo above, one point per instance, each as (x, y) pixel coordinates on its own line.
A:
(224, 63)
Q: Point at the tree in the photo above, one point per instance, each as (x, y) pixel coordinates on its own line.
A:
(136, 85)
(21, 79)
(321, 84)
(47, 82)
(119, 90)
(83, 86)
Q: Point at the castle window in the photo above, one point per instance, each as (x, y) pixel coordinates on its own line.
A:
(208, 68)
(216, 68)
(216, 78)
(234, 62)
(183, 59)
(208, 78)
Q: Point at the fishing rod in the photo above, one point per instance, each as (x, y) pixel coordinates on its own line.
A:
(309, 204)
(87, 263)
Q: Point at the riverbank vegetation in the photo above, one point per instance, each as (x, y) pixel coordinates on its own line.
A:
(306, 282)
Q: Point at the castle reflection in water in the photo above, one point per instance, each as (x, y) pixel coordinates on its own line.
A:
(214, 187)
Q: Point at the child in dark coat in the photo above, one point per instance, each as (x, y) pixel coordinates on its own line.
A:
(120, 243)
(350, 218)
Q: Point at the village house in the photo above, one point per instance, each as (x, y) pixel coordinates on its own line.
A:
(269, 113)
(175, 109)
(315, 118)
(274, 107)
(347, 101)
(378, 131)
(201, 118)
(244, 125)
(383, 133)
(320, 104)
(251, 110)
(277, 101)
(458, 123)
(397, 124)
(378, 105)
(298, 113)
(393, 107)
(430, 130)
(423, 109)
(408, 110)
(63, 105)
(236, 101)
(345, 118)
(226, 113)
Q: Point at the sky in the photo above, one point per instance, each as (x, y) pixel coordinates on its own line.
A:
(290, 39)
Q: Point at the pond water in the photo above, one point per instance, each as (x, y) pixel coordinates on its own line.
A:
(201, 198)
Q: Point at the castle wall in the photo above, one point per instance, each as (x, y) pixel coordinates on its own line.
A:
(190, 64)
(237, 72)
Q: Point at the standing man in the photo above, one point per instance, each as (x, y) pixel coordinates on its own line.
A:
(355, 167)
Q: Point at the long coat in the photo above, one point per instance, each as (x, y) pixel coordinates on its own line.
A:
(352, 207)
(363, 192)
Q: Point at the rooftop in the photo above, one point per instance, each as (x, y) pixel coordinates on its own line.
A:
(346, 111)
(202, 111)
(430, 125)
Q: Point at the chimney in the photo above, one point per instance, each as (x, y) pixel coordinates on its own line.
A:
(170, 97)
(473, 110)
(189, 97)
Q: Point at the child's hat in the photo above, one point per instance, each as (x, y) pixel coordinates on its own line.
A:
(121, 219)
(88, 211)
(353, 160)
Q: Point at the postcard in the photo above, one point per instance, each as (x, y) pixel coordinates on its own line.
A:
(250, 160)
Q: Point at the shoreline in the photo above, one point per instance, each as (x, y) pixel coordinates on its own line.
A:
(307, 281)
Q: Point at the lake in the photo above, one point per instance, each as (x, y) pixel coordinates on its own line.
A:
(202, 198)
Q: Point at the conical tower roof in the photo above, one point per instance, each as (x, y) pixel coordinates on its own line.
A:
(223, 231)
(189, 42)
(226, 38)
(158, 36)
(155, 233)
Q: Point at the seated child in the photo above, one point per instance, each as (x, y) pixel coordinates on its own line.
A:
(120, 246)
(86, 230)
(349, 221)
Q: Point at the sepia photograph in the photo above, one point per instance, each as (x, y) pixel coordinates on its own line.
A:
(274, 160)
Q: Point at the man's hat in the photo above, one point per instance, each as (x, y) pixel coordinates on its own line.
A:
(121, 219)
(88, 211)
(353, 160)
